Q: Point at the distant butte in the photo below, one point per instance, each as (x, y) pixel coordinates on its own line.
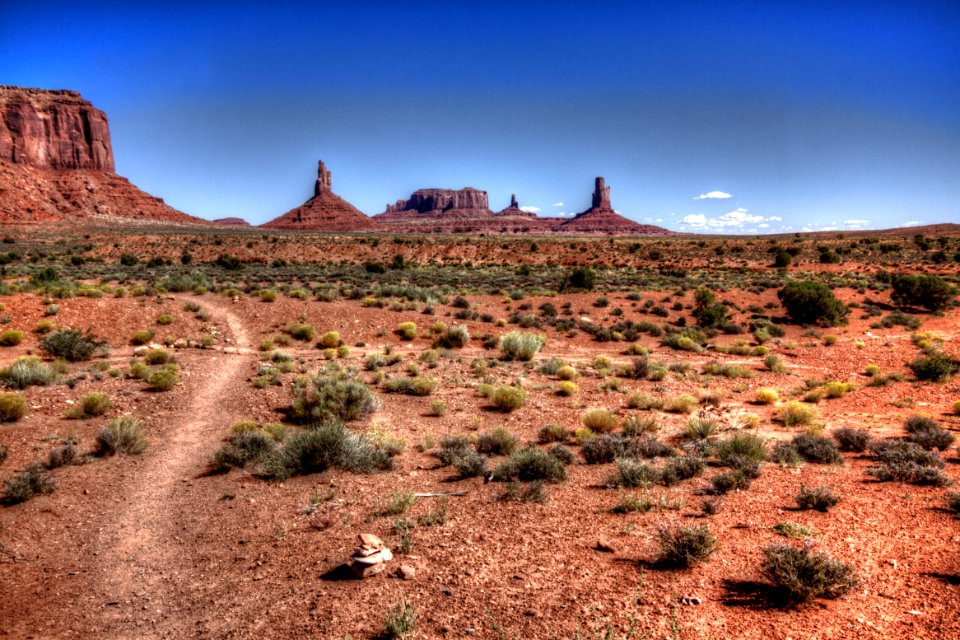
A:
(325, 211)
(56, 165)
(232, 222)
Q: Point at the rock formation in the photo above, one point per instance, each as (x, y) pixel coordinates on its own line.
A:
(325, 211)
(56, 164)
(514, 210)
(600, 218)
(232, 222)
(438, 204)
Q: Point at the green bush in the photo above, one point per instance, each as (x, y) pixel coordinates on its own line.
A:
(330, 340)
(531, 464)
(70, 344)
(809, 302)
(325, 398)
(817, 449)
(677, 470)
(163, 379)
(518, 345)
(411, 386)
(123, 435)
(633, 474)
(740, 445)
(157, 356)
(11, 338)
(796, 413)
(330, 446)
(600, 420)
(407, 330)
(804, 576)
(91, 405)
(686, 546)
(26, 371)
(708, 312)
(849, 439)
(453, 338)
(553, 433)
(302, 331)
(499, 442)
(928, 291)
(507, 398)
(141, 337)
(12, 407)
(926, 433)
(934, 367)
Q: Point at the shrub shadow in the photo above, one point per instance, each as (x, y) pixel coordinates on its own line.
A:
(754, 595)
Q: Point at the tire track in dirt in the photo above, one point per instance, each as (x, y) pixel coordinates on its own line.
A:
(149, 566)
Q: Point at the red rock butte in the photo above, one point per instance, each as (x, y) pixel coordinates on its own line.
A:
(325, 211)
(56, 165)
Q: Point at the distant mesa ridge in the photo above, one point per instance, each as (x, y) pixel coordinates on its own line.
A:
(57, 165)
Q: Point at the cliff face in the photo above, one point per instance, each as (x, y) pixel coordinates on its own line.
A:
(53, 129)
(325, 211)
(56, 165)
(602, 219)
(439, 204)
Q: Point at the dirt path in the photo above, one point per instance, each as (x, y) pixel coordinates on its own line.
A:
(149, 575)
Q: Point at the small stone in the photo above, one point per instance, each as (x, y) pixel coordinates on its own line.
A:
(605, 545)
(406, 572)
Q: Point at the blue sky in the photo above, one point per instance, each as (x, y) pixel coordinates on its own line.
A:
(808, 115)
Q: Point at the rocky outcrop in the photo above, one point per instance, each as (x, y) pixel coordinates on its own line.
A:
(53, 129)
(232, 222)
(56, 165)
(601, 219)
(438, 204)
(325, 211)
(514, 210)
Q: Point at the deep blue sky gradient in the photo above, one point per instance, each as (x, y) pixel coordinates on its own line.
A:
(821, 114)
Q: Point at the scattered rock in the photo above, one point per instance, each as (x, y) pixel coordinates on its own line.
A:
(370, 557)
(406, 572)
(605, 545)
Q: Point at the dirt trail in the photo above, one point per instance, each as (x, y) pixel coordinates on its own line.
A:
(150, 567)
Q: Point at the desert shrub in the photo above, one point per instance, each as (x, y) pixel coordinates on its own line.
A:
(26, 371)
(163, 379)
(91, 405)
(599, 420)
(70, 344)
(325, 398)
(727, 370)
(61, 456)
(11, 338)
(774, 364)
(604, 448)
(809, 302)
(635, 425)
(455, 337)
(934, 367)
(518, 345)
(470, 464)
(702, 428)
(141, 337)
(301, 331)
(898, 452)
(926, 433)
(767, 395)
(498, 442)
(851, 439)
(686, 546)
(553, 433)
(804, 575)
(30, 482)
(44, 327)
(124, 435)
(411, 386)
(633, 473)
(329, 446)
(817, 449)
(508, 398)
(820, 498)
(580, 278)
(566, 372)
(438, 408)
(743, 445)
(531, 463)
(12, 407)
(910, 472)
(795, 413)
(786, 454)
(643, 401)
(684, 403)
(164, 319)
(679, 469)
(520, 492)
(157, 356)
(727, 481)
(565, 388)
(707, 311)
(330, 340)
(928, 291)
(685, 340)
(952, 500)
(406, 330)
(4, 452)
(836, 389)
(561, 453)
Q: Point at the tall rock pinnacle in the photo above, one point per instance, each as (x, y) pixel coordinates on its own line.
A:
(601, 195)
(322, 185)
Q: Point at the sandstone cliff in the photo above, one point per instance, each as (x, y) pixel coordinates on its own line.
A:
(56, 165)
(438, 204)
(602, 219)
(325, 211)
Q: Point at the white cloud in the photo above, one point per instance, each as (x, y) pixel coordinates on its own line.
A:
(564, 214)
(912, 223)
(530, 209)
(714, 195)
(739, 219)
(557, 204)
(856, 223)
(659, 220)
(830, 229)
